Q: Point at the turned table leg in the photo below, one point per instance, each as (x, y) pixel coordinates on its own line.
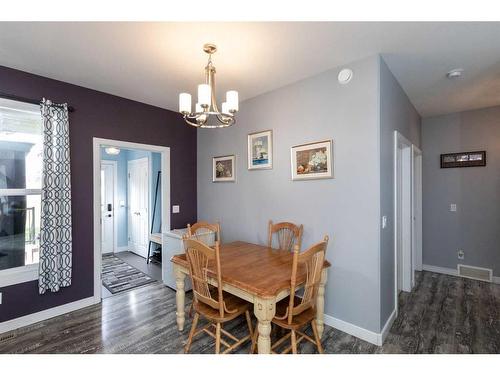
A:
(320, 304)
(264, 310)
(180, 295)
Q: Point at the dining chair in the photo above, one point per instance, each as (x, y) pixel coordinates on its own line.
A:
(210, 302)
(294, 313)
(205, 232)
(200, 230)
(288, 235)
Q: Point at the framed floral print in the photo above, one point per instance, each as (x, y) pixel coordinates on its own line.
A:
(260, 150)
(312, 160)
(223, 168)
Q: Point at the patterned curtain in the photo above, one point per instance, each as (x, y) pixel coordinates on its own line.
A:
(55, 224)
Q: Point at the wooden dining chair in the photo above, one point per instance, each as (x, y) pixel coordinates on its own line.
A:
(294, 313)
(205, 232)
(213, 303)
(200, 229)
(288, 235)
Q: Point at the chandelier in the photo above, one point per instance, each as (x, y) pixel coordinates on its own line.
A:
(207, 114)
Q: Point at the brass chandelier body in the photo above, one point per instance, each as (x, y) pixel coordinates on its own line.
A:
(208, 115)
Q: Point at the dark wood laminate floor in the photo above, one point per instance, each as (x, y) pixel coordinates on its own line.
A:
(443, 314)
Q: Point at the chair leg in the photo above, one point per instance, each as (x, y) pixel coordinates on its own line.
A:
(217, 339)
(191, 333)
(316, 336)
(190, 312)
(255, 336)
(249, 322)
(294, 342)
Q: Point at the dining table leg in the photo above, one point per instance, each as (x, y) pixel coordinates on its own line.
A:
(320, 304)
(180, 295)
(264, 310)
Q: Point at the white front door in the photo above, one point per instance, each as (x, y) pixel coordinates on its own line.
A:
(138, 206)
(107, 207)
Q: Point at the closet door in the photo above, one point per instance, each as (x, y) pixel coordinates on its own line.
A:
(138, 206)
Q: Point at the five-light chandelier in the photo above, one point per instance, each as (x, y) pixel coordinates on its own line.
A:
(207, 114)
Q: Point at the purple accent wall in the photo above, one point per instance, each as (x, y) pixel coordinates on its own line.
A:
(105, 116)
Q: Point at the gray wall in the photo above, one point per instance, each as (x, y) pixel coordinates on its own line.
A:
(475, 227)
(346, 207)
(396, 113)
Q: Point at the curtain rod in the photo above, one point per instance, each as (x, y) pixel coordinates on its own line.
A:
(27, 100)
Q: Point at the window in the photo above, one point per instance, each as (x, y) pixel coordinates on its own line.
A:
(21, 147)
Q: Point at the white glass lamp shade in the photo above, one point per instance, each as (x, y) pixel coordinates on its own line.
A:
(204, 94)
(112, 150)
(184, 103)
(232, 100)
(225, 109)
(199, 109)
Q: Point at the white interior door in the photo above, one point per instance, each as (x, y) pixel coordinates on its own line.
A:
(138, 206)
(107, 207)
(417, 209)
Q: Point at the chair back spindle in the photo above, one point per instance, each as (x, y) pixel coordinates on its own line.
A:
(311, 261)
(287, 234)
(205, 232)
(200, 258)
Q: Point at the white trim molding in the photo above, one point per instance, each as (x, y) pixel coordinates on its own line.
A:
(121, 249)
(18, 275)
(39, 316)
(387, 326)
(362, 333)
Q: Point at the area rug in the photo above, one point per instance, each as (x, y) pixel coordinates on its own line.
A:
(118, 275)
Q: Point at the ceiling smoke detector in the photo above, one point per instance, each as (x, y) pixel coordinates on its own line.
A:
(455, 73)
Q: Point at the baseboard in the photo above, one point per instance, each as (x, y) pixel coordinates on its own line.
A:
(353, 330)
(451, 272)
(121, 249)
(443, 270)
(26, 320)
(387, 327)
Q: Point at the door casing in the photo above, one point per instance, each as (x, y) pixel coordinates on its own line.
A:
(113, 165)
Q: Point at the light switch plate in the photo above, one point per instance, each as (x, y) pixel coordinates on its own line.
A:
(453, 207)
(0, 298)
(384, 221)
(176, 209)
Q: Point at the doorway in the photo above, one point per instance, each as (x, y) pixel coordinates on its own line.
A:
(124, 193)
(407, 214)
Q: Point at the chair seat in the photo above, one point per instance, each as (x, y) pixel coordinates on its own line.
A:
(232, 303)
(299, 320)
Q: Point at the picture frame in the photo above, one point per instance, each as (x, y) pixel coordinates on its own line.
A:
(311, 161)
(224, 168)
(260, 150)
(463, 159)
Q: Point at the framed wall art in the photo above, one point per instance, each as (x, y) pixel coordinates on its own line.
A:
(260, 150)
(312, 160)
(464, 159)
(223, 168)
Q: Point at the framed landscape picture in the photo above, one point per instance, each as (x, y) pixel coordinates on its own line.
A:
(464, 159)
(260, 150)
(223, 168)
(312, 161)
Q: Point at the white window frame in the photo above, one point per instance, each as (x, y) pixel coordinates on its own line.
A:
(22, 274)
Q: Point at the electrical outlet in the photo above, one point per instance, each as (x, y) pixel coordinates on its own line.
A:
(461, 254)
(453, 207)
(384, 222)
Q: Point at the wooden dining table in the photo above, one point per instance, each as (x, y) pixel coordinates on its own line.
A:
(258, 274)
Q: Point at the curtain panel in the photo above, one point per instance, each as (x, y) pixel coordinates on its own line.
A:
(55, 225)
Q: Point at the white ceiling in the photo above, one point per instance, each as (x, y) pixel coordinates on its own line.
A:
(154, 62)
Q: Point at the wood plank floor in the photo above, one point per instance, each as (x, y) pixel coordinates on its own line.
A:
(444, 314)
